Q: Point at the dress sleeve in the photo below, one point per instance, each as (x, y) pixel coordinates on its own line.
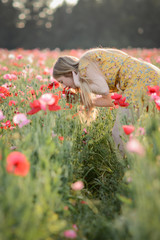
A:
(98, 82)
(83, 65)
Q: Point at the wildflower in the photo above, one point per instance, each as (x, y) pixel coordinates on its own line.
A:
(118, 100)
(6, 125)
(4, 92)
(39, 77)
(122, 103)
(55, 84)
(66, 208)
(17, 164)
(128, 129)
(134, 146)
(141, 130)
(83, 202)
(4, 68)
(36, 107)
(154, 96)
(48, 100)
(158, 59)
(19, 57)
(85, 131)
(68, 106)
(13, 147)
(157, 102)
(154, 89)
(61, 138)
(70, 234)
(53, 134)
(46, 71)
(43, 88)
(12, 102)
(21, 120)
(75, 227)
(10, 77)
(1, 115)
(11, 56)
(77, 186)
(116, 96)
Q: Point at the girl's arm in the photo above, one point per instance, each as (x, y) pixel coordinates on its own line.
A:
(103, 101)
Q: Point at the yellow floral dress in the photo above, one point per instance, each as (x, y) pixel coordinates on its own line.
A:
(131, 74)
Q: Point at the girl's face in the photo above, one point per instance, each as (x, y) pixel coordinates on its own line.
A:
(66, 81)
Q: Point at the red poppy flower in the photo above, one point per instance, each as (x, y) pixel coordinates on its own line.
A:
(36, 107)
(43, 88)
(6, 125)
(116, 96)
(46, 101)
(12, 102)
(32, 92)
(17, 164)
(128, 129)
(4, 92)
(55, 84)
(154, 89)
(61, 138)
(122, 103)
(118, 100)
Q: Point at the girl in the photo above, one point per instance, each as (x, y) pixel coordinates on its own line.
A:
(103, 71)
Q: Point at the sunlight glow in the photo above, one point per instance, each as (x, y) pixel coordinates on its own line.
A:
(57, 3)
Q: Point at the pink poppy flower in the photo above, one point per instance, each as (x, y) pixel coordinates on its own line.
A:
(10, 77)
(46, 99)
(1, 115)
(19, 57)
(77, 186)
(85, 131)
(17, 164)
(7, 76)
(134, 146)
(70, 234)
(128, 129)
(140, 131)
(154, 96)
(21, 120)
(158, 59)
(75, 227)
(157, 102)
(39, 77)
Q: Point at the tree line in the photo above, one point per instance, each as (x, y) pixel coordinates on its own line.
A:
(90, 23)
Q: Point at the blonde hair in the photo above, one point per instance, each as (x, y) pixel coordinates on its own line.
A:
(64, 67)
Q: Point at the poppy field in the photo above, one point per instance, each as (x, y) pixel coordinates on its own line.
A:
(62, 178)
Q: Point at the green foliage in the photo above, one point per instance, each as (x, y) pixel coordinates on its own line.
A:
(141, 211)
(120, 198)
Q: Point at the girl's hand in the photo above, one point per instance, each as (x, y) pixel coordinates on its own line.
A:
(103, 101)
(76, 79)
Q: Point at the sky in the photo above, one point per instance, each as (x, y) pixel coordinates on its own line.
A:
(56, 3)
